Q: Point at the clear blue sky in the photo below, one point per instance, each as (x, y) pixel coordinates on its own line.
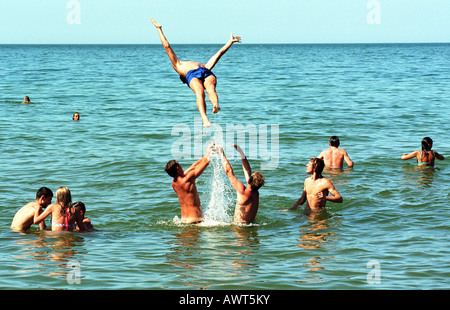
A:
(211, 21)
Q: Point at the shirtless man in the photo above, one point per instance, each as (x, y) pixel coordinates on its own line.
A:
(183, 184)
(334, 156)
(23, 219)
(247, 202)
(316, 189)
(196, 75)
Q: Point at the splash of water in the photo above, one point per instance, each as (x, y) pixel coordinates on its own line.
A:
(218, 197)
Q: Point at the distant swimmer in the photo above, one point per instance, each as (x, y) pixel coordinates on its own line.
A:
(183, 184)
(64, 214)
(197, 76)
(334, 157)
(23, 219)
(26, 99)
(76, 116)
(247, 202)
(426, 156)
(316, 189)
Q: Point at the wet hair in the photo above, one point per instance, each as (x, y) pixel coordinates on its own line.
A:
(334, 141)
(171, 168)
(427, 144)
(44, 191)
(256, 180)
(64, 199)
(318, 165)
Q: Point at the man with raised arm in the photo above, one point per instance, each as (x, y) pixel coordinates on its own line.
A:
(183, 184)
(247, 202)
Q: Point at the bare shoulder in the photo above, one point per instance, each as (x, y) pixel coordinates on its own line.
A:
(342, 151)
(327, 182)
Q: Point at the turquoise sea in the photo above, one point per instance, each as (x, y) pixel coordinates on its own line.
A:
(391, 231)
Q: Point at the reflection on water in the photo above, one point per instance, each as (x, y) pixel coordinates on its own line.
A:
(315, 236)
(420, 176)
(45, 248)
(204, 256)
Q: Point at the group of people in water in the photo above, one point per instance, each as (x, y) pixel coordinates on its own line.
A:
(65, 215)
(317, 190)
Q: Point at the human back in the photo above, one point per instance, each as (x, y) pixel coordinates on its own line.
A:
(188, 197)
(63, 218)
(334, 157)
(426, 156)
(247, 205)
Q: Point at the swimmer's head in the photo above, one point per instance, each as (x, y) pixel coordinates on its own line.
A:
(256, 180)
(334, 141)
(317, 165)
(46, 195)
(80, 205)
(26, 99)
(172, 168)
(63, 196)
(427, 144)
(76, 116)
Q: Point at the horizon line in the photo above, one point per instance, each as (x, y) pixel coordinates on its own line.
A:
(267, 43)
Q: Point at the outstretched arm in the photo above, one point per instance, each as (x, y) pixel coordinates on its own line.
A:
(197, 168)
(237, 185)
(409, 156)
(173, 58)
(212, 62)
(245, 163)
(39, 216)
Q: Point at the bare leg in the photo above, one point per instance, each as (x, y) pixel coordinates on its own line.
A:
(210, 87)
(197, 87)
(172, 56)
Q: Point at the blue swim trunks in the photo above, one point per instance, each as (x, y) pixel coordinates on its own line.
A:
(200, 73)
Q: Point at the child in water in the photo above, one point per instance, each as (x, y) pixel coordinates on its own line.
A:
(86, 221)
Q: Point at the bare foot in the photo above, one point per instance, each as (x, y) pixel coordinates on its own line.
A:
(216, 109)
(206, 124)
(155, 23)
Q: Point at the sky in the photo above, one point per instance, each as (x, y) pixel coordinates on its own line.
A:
(211, 21)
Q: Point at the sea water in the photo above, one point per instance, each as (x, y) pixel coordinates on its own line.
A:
(390, 232)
